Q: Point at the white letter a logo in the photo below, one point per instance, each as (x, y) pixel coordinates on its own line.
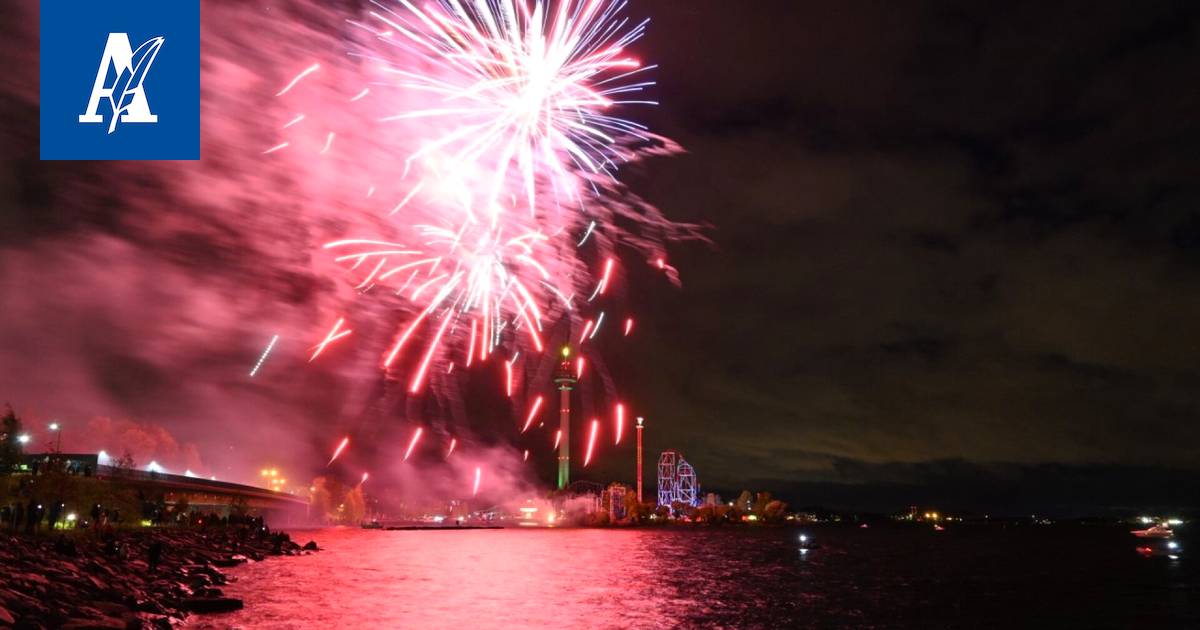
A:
(125, 96)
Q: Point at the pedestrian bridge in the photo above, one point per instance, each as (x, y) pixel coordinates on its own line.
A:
(204, 493)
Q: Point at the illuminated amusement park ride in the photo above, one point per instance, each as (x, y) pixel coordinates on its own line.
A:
(676, 480)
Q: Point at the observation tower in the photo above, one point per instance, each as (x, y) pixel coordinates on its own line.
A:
(565, 379)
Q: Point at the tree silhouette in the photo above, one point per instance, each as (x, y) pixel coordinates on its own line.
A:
(10, 446)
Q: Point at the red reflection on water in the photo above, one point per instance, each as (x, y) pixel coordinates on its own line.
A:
(453, 579)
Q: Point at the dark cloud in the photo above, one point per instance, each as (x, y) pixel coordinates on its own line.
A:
(943, 232)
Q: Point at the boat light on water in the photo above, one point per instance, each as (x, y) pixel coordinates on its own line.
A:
(1158, 531)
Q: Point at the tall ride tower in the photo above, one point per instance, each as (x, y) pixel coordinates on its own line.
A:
(639, 458)
(565, 379)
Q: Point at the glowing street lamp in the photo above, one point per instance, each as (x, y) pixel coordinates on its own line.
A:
(57, 428)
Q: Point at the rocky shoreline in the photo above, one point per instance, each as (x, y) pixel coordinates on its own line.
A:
(145, 578)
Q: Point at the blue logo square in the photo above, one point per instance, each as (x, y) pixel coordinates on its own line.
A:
(120, 80)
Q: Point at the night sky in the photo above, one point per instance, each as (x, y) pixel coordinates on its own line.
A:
(955, 259)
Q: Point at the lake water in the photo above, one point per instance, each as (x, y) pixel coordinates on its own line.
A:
(882, 577)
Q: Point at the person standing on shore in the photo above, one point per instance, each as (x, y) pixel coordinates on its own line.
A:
(56, 509)
(32, 516)
(154, 553)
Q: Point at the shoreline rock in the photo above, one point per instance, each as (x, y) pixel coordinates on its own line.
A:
(82, 580)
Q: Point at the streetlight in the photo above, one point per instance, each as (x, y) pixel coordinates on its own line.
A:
(54, 426)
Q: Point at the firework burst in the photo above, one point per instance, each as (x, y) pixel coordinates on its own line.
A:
(492, 133)
(526, 90)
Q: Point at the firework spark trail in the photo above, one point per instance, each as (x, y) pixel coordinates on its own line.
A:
(620, 417)
(278, 147)
(412, 444)
(478, 477)
(364, 478)
(599, 322)
(338, 451)
(602, 286)
(526, 458)
(333, 336)
(628, 326)
(591, 445)
(450, 451)
(508, 378)
(419, 378)
(533, 412)
(580, 363)
(265, 354)
(557, 438)
(307, 71)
